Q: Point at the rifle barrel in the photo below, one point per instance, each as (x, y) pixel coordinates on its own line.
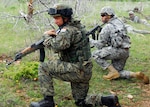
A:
(9, 63)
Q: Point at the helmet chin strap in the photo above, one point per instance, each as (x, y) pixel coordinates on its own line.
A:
(65, 21)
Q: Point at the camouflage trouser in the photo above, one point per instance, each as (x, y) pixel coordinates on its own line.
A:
(94, 100)
(67, 72)
(117, 56)
(145, 22)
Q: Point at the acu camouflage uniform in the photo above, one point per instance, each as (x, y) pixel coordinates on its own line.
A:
(136, 19)
(113, 45)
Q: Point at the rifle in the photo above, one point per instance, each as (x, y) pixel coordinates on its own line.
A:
(92, 32)
(35, 46)
(39, 45)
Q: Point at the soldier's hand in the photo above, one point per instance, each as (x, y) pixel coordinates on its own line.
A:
(50, 33)
(91, 42)
(47, 42)
(18, 56)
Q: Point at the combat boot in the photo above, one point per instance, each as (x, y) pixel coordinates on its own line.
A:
(110, 101)
(113, 73)
(46, 102)
(81, 103)
(140, 76)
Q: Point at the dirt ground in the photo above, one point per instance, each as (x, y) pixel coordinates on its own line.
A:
(145, 102)
(4, 58)
(147, 94)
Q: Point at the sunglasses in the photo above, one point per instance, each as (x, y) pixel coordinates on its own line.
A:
(130, 14)
(102, 15)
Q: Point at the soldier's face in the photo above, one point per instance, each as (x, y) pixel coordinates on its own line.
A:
(58, 20)
(131, 15)
(105, 18)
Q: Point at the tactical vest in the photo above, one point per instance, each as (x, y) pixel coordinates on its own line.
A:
(119, 38)
(78, 51)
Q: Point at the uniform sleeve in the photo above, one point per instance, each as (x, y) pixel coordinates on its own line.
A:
(103, 38)
(105, 34)
(136, 19)
(62, 40)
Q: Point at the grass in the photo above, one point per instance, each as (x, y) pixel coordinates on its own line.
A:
(21, 93)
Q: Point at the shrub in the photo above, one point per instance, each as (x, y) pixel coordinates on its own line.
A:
(27, 70)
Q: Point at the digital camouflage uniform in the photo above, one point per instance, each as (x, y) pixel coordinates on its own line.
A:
(131, 29)
(72, 50)
(74, 64)
(113, 45)
(68, 68)
(136, 19)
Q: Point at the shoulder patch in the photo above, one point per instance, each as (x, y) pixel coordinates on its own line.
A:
(63, 30)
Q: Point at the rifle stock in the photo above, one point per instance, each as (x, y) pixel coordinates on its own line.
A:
(35, 46)
(39, 45)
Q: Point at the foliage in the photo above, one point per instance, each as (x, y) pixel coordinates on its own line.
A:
(21, 1)
(17, 88)
(28, 70)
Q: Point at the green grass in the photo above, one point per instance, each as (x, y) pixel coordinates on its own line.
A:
(19, 93)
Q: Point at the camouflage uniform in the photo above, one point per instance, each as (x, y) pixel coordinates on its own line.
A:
(74, 64)
(136, 19)
(130, 29)
(68, 68)
(113, 45)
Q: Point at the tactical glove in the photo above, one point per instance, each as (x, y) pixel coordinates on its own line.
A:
(18, 56)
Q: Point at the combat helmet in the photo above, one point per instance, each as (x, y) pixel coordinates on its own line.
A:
(136, 9)
(60, 10)
(107, 10)
(131, 12)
